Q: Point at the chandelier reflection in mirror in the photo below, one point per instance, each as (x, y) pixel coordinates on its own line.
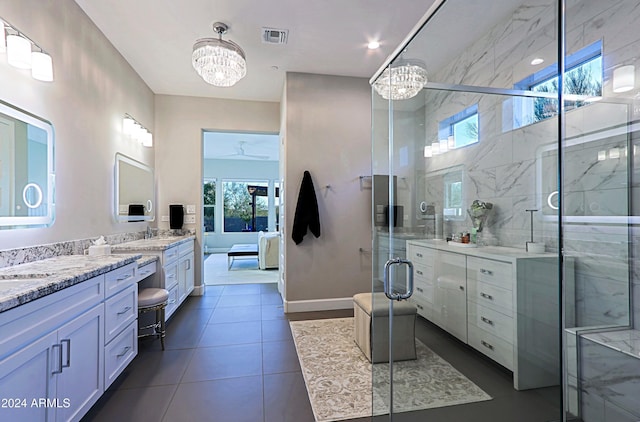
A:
(220, 63)
(402, 80)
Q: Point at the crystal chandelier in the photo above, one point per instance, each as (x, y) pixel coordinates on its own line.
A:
(219, 62)
(401, 80)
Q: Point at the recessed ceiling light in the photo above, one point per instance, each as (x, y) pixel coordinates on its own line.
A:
(537, 61)
(373, 45)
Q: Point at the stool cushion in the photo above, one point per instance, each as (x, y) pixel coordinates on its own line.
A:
(152, 297)
(377, 304)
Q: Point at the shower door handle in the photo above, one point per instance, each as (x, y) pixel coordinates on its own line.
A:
(387, 285)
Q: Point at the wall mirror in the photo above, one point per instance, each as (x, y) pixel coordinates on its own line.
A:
(135, 190)
(26, 169)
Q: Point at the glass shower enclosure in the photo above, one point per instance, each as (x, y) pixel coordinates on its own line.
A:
(504, 211)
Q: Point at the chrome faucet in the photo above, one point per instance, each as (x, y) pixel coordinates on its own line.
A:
(149, 233)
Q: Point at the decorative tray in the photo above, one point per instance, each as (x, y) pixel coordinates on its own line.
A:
(462, 245)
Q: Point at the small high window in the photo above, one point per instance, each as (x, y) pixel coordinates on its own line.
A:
(583, 77)
(461, 129)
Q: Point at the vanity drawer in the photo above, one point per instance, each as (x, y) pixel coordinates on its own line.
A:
(120, 311)
(491, 296)
(490, 271)
(172, 302)
(494, 322)
(185, 248)
(119, 278)
(492, 346)
(119, 353)
(424, 308)
(419, 254)
(422, 272)
(170, 275)
(170, 254)
(145, 271)
(423, 289)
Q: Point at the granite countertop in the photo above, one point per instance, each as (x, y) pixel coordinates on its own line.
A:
(160, 243)
(147, 259)
(24, 283)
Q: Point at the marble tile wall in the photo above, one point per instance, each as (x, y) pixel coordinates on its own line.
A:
(609, 382)
(506, 167)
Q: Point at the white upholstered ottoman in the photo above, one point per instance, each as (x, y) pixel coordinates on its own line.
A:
(373, 338)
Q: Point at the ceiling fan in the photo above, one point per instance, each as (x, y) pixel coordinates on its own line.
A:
(240, 153)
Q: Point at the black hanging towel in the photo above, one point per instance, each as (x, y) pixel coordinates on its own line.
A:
(306, 216)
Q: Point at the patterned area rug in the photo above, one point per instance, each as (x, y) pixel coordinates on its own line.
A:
(339, 377)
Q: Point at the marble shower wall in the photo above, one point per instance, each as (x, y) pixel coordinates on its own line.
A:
(507, 166)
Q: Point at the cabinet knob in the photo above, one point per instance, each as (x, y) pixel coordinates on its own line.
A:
(486, 296)
(486, 272)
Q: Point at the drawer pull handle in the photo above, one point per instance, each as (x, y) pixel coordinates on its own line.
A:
(419, 255)
(58, 371)
(419, 272)
(124, 352)
(172, 301)
(461, 288)
(420, 289)
(486, 320)
(124, 278)
(486, 296)
(487, 345)
(125, 310)
(487, 272)
(145, 273)
(68, 341)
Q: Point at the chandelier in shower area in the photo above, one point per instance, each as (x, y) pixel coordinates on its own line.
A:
(402, 80)
(219, 62)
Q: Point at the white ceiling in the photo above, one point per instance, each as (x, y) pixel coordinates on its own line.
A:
(328, 37)
(325, 37)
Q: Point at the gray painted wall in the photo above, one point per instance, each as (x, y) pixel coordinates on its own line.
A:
(327, 131)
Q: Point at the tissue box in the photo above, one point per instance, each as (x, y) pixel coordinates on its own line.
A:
(95, 250)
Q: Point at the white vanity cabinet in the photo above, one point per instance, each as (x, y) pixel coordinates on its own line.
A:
(185, 270)
(176, 271)
(501, 301)
(423, 283)
(121, 316)
(52, 354)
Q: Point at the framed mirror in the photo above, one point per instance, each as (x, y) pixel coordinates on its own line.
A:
(26, 169)
(135, 190)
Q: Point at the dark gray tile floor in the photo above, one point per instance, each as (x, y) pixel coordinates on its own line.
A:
(230, 357)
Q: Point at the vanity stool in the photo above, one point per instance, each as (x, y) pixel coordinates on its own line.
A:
(373, 339)
(153, 299)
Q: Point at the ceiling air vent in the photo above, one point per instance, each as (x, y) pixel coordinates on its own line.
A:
(274, 36)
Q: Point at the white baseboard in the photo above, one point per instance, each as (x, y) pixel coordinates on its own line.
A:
(197, 291)
(318, 304)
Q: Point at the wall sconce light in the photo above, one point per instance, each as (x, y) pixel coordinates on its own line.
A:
(444, 146)
(18, 51)
(20, 55)
(134, 130)
(435, 147)
(624, 78)
(427, 152)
